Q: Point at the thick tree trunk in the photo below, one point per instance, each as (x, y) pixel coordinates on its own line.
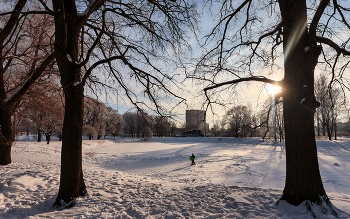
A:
(72, 182)
(303, 179)
(66, 51)
(6, 136)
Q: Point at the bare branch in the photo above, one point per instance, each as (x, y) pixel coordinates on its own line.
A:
(26, 12)
(5, 32)
(339, 9)
(36, 74)
(332, 44)
(313, 26)
(254, 78)
(46, 8)
(226, 26)
(89, 71)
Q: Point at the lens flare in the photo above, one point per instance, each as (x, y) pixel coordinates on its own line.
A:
(297, 33)
(272, 89)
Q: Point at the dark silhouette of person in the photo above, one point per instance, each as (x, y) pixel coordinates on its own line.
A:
(193, 163)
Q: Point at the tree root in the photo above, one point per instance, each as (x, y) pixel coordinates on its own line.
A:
(60, 203)
(322, 208)
(67, 201)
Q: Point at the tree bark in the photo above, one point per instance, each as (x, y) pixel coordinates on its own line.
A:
(39, 135)
(72, 182)
(6, 132)
(303, 179)
(67, 29)
(6, 136)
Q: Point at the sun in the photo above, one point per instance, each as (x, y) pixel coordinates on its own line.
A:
(272, 89)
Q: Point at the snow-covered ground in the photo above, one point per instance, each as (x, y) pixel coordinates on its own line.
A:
(131, 178)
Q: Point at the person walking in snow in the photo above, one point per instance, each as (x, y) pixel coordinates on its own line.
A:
(192, 159)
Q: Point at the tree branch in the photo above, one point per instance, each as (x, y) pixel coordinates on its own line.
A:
(46, 8)
(89, 71)
(332, 44)
(254, 78)
(12, 100)
(12, 21)
(313, 26)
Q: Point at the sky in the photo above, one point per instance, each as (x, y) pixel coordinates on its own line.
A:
(253, 93)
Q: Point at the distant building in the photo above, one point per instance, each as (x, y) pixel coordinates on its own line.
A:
(192, 133)
(195, 119)
(207, 127)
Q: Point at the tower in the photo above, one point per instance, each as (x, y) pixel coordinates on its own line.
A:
(195, 119)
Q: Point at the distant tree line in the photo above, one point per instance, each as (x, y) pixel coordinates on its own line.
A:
(100, 120)
(240, 121)
(142, 125)
(44, 116)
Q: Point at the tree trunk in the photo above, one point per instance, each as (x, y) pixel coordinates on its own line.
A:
(303, 179)
(66, 52)
(39, 135)
(323, 128)
(318, 124)
(329, 132)
(48, 137)
(6, 136)
(72, 182)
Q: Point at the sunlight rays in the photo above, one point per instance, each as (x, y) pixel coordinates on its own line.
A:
(297, 33)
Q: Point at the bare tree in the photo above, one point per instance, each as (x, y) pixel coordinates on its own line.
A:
(143, 124)
(239, 121)
(42, 106)
(24, 56)
(121, 37)
(173, 128)
(272, 119)
(130, 119)
(114, 123)
(161, 126)
(147, 133)
(94, 118)
(331, 102)
(253, 37)
(100, 120)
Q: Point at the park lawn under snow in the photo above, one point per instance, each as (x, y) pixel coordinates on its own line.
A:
(132, 178)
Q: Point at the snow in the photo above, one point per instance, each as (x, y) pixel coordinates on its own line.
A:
(132, 178)
(302, 101)
(304, 86)
(306, 48)
(76, 83)
(69, 57)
